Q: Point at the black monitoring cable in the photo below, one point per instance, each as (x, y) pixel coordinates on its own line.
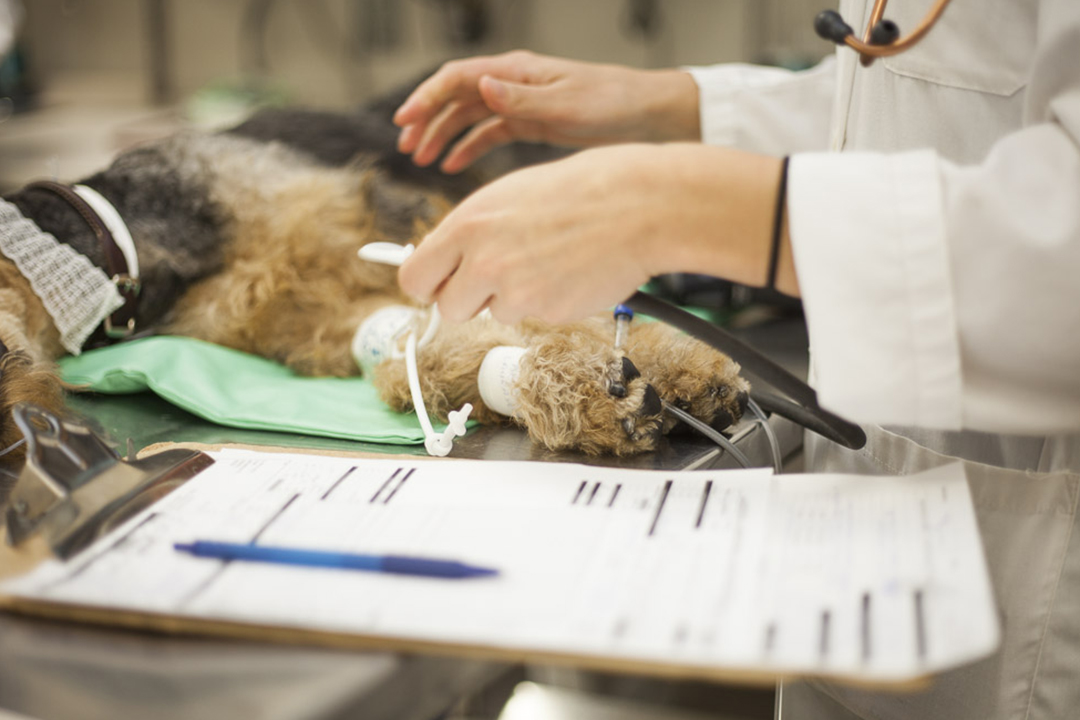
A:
(805, 410)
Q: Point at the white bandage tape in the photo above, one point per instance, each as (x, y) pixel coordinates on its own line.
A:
(498, 376)
(75, 292)
(376, 338)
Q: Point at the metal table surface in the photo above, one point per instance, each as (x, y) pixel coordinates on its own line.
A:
(64, 671)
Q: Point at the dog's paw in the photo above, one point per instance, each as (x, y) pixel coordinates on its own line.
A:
(690, 375)
(577, 392)
(642, 421)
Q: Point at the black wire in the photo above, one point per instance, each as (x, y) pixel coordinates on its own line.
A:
(778, 226)
(805, 410)
(805, 417)
(710, 432)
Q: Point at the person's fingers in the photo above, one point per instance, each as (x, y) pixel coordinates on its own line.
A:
(504, 312)
(409, 138)
(456, 80)
(447, 125)
(544, 102)
(427, 269)
(520, 114)
(481, 139)
(461, 298)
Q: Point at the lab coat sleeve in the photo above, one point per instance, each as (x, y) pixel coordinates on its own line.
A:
(765, 109)
(948, 296)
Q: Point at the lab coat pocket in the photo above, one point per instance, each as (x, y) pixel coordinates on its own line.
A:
(1027, 522)
(981, 45)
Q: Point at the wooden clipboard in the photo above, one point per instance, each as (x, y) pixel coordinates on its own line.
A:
(77, 607)
(21, 559)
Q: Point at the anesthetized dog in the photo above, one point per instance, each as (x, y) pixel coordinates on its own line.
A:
(248, 238)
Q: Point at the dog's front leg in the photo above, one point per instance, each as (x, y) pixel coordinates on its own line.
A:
(578, 392)
(448, 368)
(573, 390)
(30, 345)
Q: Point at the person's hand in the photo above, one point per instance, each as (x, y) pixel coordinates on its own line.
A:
(563, 240)
(524, 96)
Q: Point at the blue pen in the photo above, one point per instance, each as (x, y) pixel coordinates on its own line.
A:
(399, 564)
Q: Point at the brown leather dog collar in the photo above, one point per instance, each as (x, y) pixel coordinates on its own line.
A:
(121, 324)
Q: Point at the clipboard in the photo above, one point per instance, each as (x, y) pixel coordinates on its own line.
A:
(74, 488)
(649, 522)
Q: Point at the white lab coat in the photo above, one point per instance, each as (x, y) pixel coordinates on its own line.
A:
(938, 258)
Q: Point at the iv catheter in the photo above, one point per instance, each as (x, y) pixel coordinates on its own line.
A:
(437, 444)
(623, 316)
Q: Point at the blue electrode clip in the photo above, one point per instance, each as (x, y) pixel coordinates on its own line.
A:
(623, 316)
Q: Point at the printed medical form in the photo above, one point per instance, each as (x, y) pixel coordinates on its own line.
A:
(870, 577)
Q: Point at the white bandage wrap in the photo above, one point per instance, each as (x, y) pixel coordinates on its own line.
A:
(498, 376)
(75, 292)
(377, 337)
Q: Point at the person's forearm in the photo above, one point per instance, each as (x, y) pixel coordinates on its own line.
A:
(565, 239)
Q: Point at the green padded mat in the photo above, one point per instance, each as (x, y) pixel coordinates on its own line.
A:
(243, 391)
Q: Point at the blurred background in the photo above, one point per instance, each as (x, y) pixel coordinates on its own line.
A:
(87, 78)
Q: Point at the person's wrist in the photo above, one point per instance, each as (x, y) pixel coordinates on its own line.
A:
(715, 209)
(672, 109)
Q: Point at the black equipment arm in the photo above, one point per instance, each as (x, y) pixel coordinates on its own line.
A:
(805, 410)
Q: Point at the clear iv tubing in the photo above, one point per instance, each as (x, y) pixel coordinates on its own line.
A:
(414, 387)
(436, 444)
(708, 431)
(774, 444)
(433, 325)
(623, 316)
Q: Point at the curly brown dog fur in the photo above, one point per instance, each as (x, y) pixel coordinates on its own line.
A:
(248, 239)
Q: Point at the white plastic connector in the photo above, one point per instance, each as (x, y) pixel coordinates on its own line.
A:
(441, 445)
(387, 253)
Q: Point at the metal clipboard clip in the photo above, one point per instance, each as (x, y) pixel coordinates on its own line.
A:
(74, 488)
